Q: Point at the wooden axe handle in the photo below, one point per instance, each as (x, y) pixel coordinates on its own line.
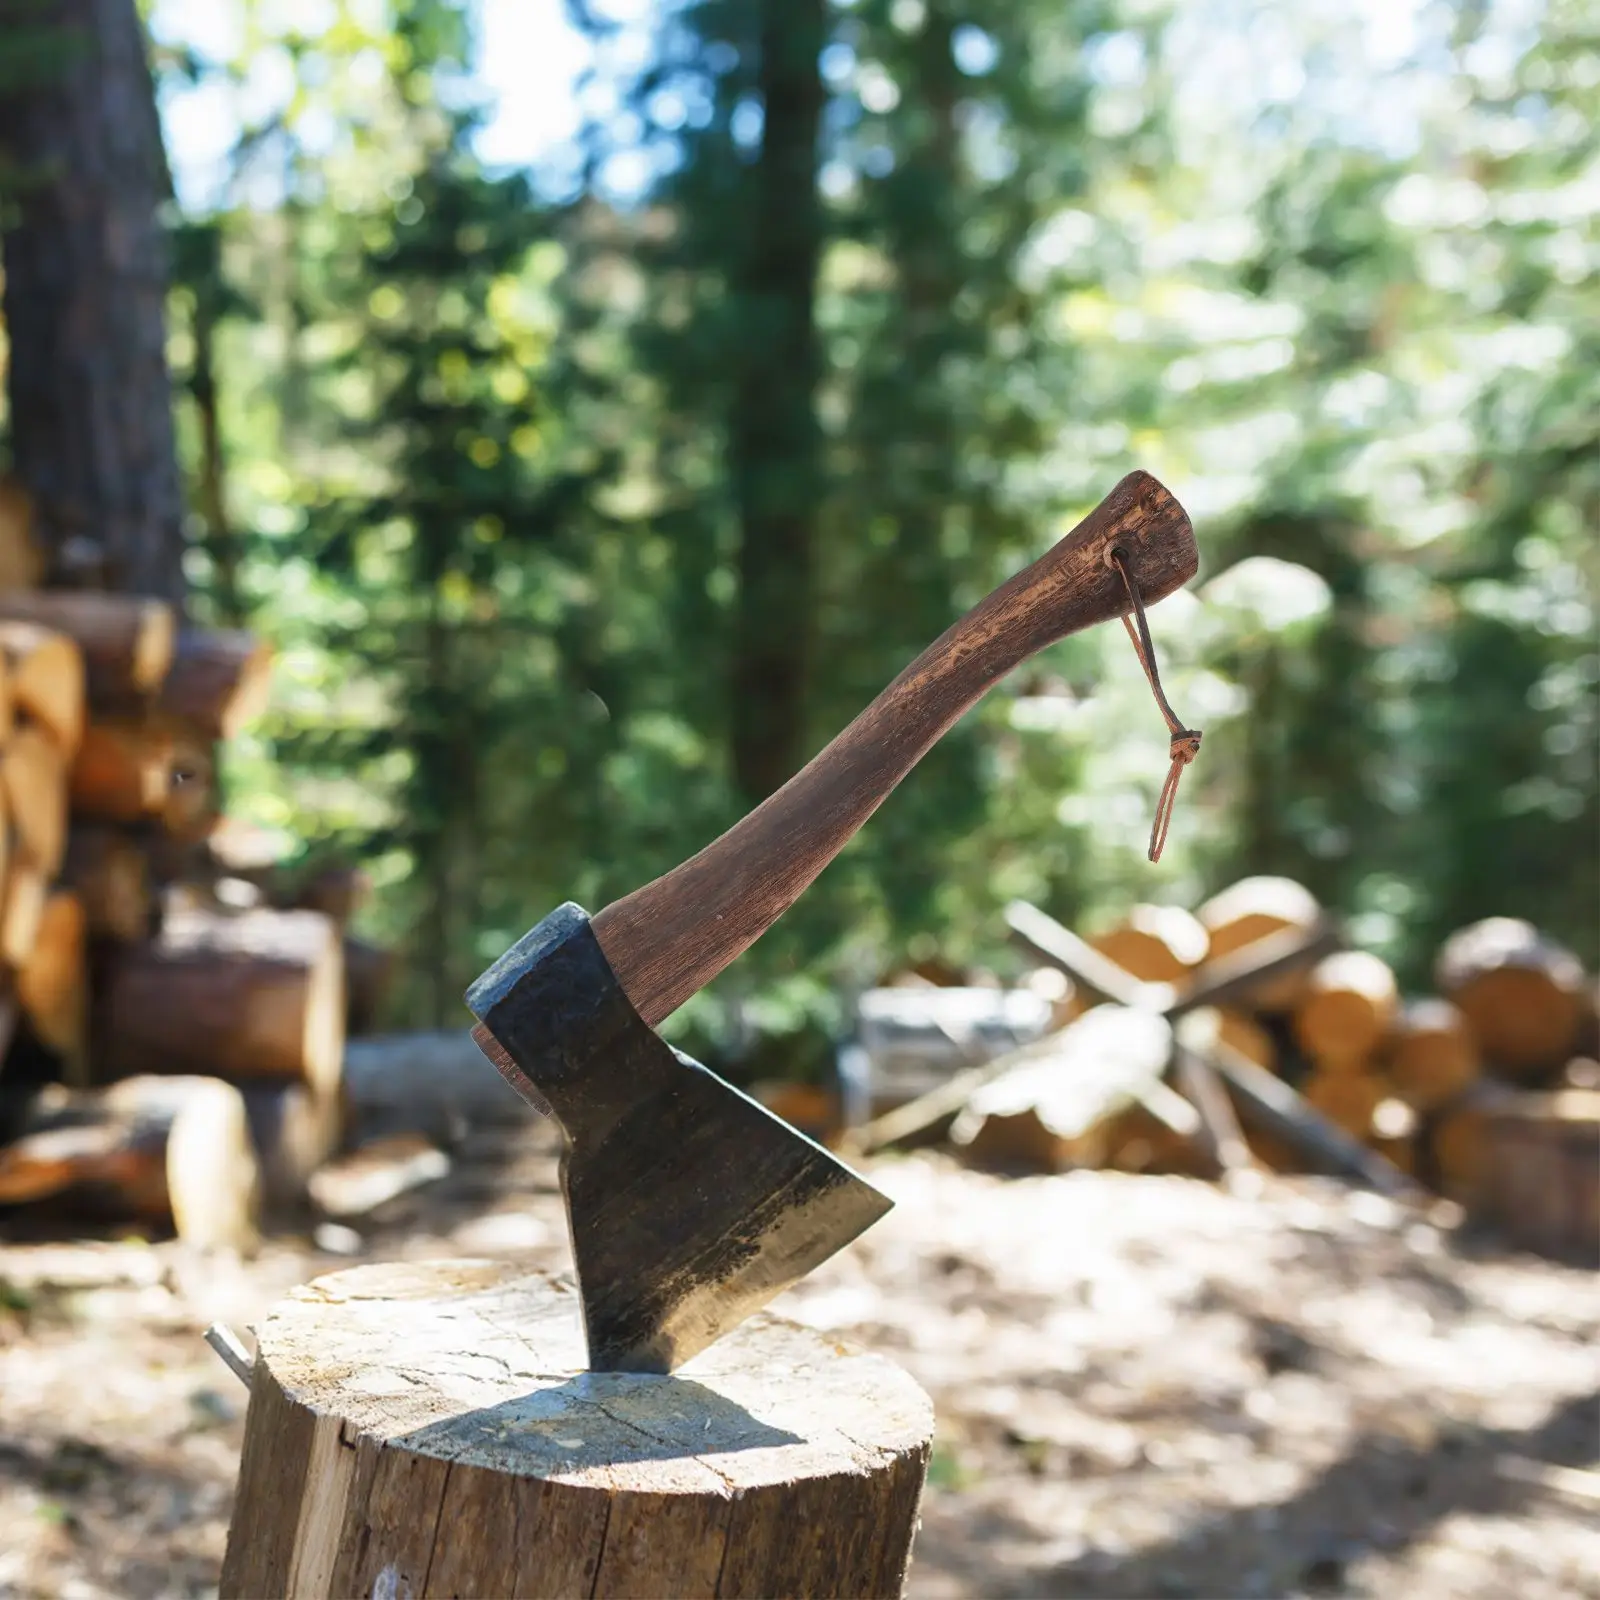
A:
(669, 939)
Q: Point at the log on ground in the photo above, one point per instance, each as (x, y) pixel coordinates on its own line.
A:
(257, 996)
(1347, 1098)
(426, 1083)
(294, 1130)
(1541, 1179)
(1056, 1109)
(430, 1429)
(126, 641)
(1522, 993)
(162, 1150)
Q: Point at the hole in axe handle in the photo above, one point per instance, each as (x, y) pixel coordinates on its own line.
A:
(501, 1060)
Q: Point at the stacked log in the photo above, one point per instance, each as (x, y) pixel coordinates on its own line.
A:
(1522, 994)
(1252, 910)
(1425, 1082)
(1156, 944)
(200, 1045)
(1433, 1056)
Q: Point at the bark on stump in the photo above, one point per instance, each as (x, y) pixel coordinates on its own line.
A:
(429, 1430)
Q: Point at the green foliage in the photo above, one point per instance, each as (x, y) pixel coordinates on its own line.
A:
(492, 484)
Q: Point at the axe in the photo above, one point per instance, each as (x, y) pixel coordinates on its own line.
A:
(689, 1204)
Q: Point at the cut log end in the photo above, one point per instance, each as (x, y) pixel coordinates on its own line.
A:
(52, 982)
(1433, 1056)
(123, 772)
(466, 1451)
(126, 641)
(45, 671)
(258, 997)
(1522, 994)
(1252, 910)
(21, 909)
(35, 780)
(1350, 1002)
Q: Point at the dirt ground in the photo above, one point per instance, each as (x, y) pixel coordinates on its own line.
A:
(1145, 1386)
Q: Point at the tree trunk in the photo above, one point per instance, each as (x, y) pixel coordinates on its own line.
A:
(85, 285)
(430, 1429)
(773, 428)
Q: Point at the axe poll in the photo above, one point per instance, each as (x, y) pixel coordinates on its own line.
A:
(689, 1204)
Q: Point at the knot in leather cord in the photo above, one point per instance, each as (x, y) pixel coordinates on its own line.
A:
(1184, 744)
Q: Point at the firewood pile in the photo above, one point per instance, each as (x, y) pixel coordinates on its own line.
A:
(172, 1015)
(1485, 1092)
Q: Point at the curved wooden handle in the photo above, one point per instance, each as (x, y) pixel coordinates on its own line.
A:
(669, 939)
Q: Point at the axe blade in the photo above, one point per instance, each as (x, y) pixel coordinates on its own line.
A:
(690, 1205)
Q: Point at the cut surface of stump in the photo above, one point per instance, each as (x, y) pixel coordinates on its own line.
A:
(429, 1429)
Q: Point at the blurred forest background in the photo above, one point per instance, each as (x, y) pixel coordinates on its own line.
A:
(585, 498)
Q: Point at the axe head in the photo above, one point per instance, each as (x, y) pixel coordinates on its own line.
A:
(690, 1205)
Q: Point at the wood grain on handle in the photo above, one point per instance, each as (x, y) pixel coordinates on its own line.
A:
(669, 939)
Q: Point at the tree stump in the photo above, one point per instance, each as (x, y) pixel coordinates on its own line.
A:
(430, 1429)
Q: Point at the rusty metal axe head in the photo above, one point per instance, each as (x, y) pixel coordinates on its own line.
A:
(690, 1205)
